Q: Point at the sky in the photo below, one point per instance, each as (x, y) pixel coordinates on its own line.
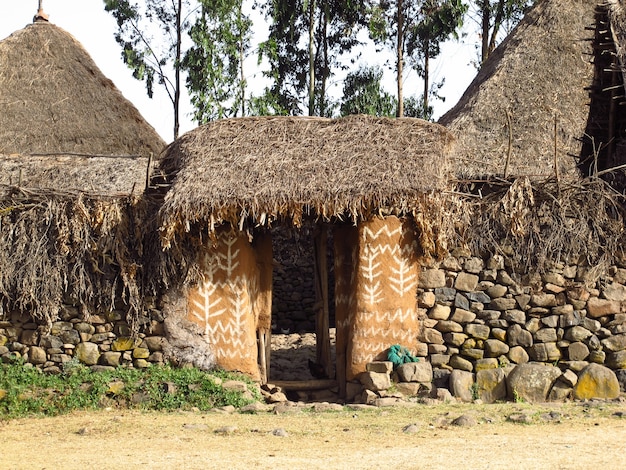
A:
(94, 28)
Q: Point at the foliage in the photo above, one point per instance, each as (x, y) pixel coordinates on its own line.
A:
(363, 94)
(221, 39)
(305, 43)
(153, 60)
(417, 29)
(28, 391)
(494, 15)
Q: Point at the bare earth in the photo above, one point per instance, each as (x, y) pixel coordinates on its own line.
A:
(569, 436)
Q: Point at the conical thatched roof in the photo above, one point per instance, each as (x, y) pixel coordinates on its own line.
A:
(264, 168)
(58, 109)
(538, 73)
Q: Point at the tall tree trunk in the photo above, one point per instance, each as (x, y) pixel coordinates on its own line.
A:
(242, 82)
(325, 72)
(426, 76)
(179, 15)
(400, 59)
(311, 57)
(486, 12)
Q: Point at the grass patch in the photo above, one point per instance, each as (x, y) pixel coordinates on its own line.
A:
(26, 391)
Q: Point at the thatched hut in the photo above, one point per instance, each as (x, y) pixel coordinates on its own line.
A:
(372, 181)
(74, 159)
(64, 125)
(526, 111)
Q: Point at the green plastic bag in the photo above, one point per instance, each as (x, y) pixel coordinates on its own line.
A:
(399, 355)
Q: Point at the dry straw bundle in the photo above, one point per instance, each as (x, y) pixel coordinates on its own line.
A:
(255, 171)
(74, 247)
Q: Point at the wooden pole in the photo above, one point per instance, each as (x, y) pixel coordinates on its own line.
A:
(322, 322)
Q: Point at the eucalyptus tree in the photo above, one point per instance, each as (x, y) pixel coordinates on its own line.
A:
(363, 93)
(155, 60)
(306, 40)
(216, 81)
(492, 16)
(420, 25)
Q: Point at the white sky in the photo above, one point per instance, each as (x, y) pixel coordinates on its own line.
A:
(87, 21)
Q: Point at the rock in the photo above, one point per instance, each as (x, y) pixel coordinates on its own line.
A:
(411, 428)
(110, 358)
(466, 282)
(615, 343)
(408, 389)
(437, 360)
(495, 348)
(439, 312)
(560, 391)
(387, 401)
(520, 418)
(431, 336)
(461, 302)
(491, 385)
(235, 386)
(517, 336)
(375, 381)
(487, 363)
(514, 316)
(255, 407)
(577, 351)
(479, 297)
(461, 385)
(276, 397)
(543, 300)
(615, 291)
(458, 362)
(531, 382)
(569, 378)
(154, 343)
(37, 355)
(226, 430)
(464, 421)
(545, 352)
(577, 333)
(502, 304)
(427, 299)
(415, 372)
(50, 342)
(617, 360)
(545, 335)
(597, 308)
(123, 344)
(463, 316)
(518, 355)
(477, 331)
(621, 378)
(432, 278)
(572, 318)
(551, 321)
(447, 326)
(455, 339)
(141, 353)
(87, 353)
(596, 381)
(496, 291)
(385, 367)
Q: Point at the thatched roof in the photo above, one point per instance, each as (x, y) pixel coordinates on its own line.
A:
(104, 175)
(538, 73)
(265, 168)
(55, 101)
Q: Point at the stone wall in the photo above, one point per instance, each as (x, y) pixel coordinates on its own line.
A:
(478, 314)
(101, 341)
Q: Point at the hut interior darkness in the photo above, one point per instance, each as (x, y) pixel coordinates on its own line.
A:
(604, 143)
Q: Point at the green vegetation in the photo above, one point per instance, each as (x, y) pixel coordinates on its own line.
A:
(26, 391)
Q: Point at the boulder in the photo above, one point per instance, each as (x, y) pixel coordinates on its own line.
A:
(466, 282)
(491, 385)
(597, 308)
(577, 351)
(615, 343)
(531, 382)
(375, 381)
(432, 278)
(87, 353)
(415, 372)
(495, 348)
(596, 381)
(518, 355)
(462, 384)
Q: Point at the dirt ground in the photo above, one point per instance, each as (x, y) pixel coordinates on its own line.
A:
(559, 436)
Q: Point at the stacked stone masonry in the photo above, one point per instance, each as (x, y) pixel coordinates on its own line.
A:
(480, 319)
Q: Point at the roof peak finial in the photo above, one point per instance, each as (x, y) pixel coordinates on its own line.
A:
(41, 15)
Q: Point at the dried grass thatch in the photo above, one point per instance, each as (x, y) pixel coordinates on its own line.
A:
(104, 175)
(54, 99)
(258, 170)
(57, 246)
(535, 224)
(505, 121)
